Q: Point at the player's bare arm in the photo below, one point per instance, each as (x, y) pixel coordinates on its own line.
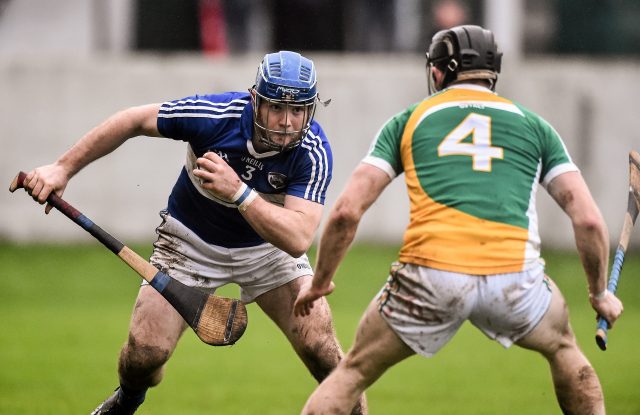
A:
(97, 143)
(290, 228)
(363, 188)
(592, 239)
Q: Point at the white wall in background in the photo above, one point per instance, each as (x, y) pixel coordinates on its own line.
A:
(48, 103)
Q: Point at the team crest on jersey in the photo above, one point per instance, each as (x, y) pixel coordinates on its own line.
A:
(277, 180)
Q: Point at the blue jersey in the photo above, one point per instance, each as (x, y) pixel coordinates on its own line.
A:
(223, 124)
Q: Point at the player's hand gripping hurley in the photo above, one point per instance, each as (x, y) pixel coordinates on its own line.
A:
(217, 321)
(633, 207)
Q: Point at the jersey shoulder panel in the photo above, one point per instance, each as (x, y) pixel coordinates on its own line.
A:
(554, 155)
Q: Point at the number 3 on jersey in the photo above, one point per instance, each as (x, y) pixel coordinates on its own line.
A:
(479, 149)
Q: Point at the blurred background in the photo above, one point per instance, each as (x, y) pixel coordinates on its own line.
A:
(67, 65)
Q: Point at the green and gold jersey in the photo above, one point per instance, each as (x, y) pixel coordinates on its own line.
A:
(472, 162)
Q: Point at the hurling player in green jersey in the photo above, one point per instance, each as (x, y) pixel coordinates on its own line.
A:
(472, 162)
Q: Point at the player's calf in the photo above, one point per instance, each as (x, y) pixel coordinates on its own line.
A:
(576, 383)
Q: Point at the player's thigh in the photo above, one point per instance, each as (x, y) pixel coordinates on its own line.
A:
(554, 330)
(154, 321)
(376, 347)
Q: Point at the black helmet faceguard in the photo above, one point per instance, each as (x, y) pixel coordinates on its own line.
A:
(464, 53)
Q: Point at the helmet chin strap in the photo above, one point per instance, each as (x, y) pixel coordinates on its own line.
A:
(261, 137)
(432, 83)
(474, 75)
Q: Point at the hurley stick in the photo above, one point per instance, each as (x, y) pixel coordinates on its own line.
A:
(633, 207)
(217, 321)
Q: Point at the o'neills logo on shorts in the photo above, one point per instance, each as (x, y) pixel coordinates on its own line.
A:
(303, 265)
(277, 180)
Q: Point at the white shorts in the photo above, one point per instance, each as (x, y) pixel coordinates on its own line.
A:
(182, 255)
(426, 307)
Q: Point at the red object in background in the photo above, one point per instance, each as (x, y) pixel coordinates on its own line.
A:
(213, 28)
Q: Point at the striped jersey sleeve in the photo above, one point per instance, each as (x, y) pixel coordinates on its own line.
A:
(198, 117)
(315, 166)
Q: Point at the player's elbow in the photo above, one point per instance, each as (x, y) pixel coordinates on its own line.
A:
(590, 222)
(345, 215)
(298, 250)
(297, 253)
(298, 245)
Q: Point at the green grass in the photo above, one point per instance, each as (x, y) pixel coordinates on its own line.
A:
(65, 312)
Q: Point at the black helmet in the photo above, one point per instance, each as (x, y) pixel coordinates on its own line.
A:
(464, 52)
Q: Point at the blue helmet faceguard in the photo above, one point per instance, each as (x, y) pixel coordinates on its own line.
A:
(285, 88)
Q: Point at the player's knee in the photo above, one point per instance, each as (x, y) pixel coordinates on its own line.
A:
(140, 358)
(319, 364)
(320, 357)
(562, 349)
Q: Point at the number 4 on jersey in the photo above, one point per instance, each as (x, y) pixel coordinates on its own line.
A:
(479, 149)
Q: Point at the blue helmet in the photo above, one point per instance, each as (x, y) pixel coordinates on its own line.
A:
(286, 81)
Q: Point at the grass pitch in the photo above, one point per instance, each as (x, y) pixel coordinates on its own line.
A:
(65, 312)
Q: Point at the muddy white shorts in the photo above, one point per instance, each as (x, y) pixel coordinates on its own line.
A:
(182, 255)
(426, 307)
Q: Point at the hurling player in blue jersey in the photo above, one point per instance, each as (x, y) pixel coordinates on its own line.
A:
(244, 210)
